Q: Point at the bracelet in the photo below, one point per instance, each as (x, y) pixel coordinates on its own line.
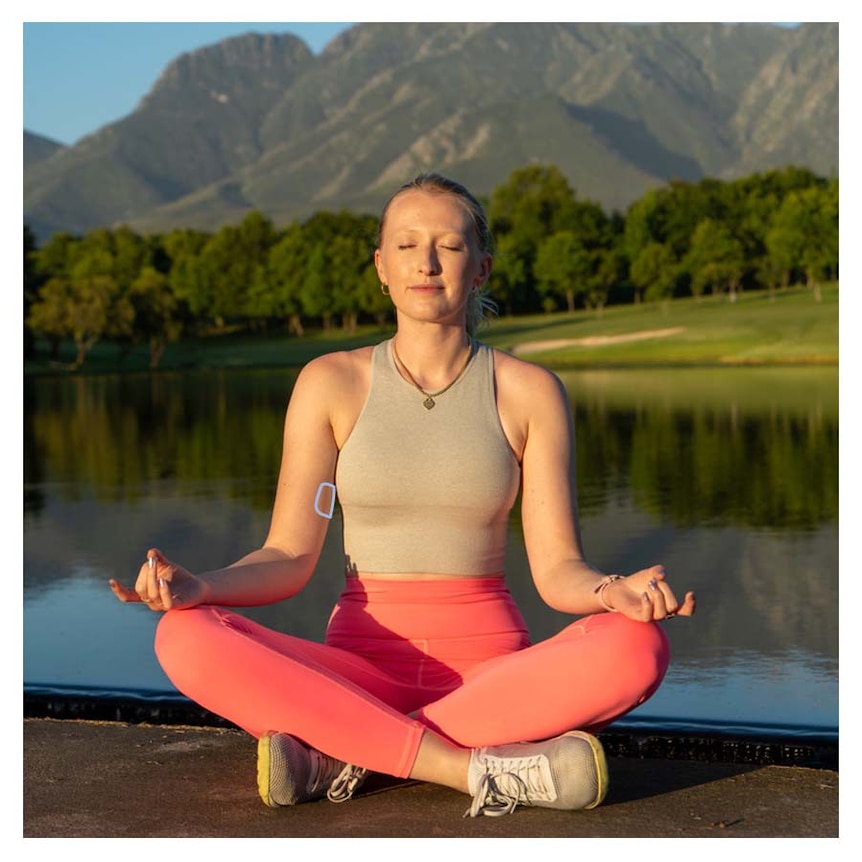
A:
(602, 585)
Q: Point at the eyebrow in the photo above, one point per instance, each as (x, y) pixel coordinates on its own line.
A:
(445, 232)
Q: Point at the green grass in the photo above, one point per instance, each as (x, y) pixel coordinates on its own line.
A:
(792, 329)
(712, 331)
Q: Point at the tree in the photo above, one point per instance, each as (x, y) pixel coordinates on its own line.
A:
(73, 308)
(158, 314)
(227, 267)
(256, 237)
(370, 296)
(783, 246)
(715, 259)
(804, 236)
(315, 291)
(563, 267)
(340, 250)
(608, 271)
(54, 258)
(532, 205)
(48, 314)
(31, 283)
(350, 254)
(277, 292)
(508, 281)
(644, 224)
(653, 272)
(184, 249)
(99, 277)
(820, 252)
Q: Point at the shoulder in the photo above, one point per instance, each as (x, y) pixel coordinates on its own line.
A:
(338, 369)
(531, 402)
(332, 388)
(518, 378)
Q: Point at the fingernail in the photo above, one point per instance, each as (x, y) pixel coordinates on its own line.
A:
(151, 562)
(652, 585)
(162, 582)
(645, 597)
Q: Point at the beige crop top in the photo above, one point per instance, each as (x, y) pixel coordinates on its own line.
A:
(427, 490)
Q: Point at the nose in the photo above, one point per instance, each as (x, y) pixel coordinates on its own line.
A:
(429, 262)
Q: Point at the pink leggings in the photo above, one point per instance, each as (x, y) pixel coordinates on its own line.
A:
(401, 656)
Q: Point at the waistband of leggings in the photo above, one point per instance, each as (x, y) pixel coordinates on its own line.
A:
(425, 589)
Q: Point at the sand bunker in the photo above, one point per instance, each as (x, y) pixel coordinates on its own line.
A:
(594, 340)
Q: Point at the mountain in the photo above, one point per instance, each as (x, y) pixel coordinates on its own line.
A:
(259, 122)
(38, 148)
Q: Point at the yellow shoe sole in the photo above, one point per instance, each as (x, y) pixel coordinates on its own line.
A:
(602, 778)
(263, 768)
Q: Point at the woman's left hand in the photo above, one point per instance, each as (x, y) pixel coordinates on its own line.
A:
(646, 596)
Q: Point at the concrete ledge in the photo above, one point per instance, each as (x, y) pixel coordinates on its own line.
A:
(99, 779)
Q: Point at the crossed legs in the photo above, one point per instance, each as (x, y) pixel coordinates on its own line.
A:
(595, 670)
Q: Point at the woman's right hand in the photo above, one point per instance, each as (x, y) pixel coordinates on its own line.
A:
(162, 585)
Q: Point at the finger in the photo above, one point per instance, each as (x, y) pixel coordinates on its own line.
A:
(141, 581)
(645, 612)
(657, 600)
(689, 605)
(124, 594)
(153, 593)
(658, 572)
(165, 597)
(670, 602)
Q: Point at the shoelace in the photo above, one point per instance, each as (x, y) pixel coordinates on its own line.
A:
(345, 783)
(491, 800)
(513, 781)
(323, 771)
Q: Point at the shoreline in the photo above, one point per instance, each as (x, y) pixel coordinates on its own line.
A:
(811, 749)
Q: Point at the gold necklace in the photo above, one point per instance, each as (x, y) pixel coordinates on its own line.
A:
(429, 402)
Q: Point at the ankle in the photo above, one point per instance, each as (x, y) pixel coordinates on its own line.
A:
(441, 762)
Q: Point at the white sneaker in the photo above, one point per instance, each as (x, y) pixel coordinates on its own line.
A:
(289, 773)
(568, 772)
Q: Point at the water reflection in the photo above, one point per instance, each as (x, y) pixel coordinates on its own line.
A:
(727, 477)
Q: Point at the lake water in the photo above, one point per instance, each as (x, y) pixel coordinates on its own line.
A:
(729, 477)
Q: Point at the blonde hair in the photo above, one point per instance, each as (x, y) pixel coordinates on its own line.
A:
(480, 306)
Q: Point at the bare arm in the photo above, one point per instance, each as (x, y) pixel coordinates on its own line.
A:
(549, 510)
(283, 565)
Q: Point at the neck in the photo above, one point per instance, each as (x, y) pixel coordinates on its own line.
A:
(433, 359)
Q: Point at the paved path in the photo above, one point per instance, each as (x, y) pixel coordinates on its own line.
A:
(89, 779)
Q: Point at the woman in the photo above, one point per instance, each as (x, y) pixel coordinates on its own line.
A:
(427, 671)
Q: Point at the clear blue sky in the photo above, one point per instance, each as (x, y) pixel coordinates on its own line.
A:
(80, 76)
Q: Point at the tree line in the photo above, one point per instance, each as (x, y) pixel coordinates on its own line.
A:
(553, 252)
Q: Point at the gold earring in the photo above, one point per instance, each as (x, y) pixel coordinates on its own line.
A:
(384, 289)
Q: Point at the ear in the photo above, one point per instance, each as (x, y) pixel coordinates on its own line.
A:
(379, 266)
(485, 266)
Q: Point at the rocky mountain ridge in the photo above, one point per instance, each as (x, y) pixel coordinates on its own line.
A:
(259, 122)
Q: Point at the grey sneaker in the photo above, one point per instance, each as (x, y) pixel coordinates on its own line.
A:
(289, 773)
(569, 772)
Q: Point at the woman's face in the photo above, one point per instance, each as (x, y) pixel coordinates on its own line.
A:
(429, 256)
